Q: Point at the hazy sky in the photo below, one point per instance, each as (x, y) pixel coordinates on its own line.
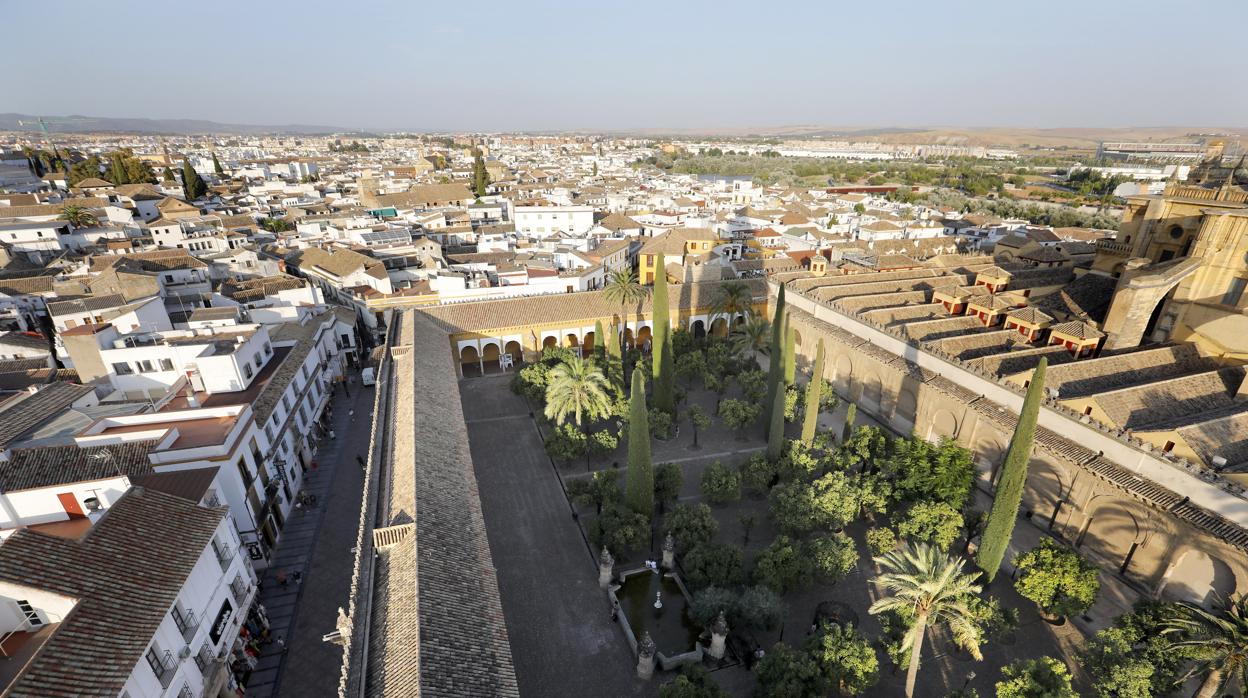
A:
(541, 64)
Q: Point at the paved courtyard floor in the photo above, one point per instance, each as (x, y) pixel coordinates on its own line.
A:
(563, 641)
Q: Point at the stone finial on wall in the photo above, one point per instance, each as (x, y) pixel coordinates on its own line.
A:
(646, 650)
(605, 563)
(719, 636)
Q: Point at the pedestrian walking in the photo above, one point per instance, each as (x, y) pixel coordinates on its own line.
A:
(298, 577)
(281, 579)
(351, 414)
(359, 460)
(332, 435)
(281, 644)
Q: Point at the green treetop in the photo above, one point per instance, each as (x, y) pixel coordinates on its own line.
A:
(790, 352)
(1004, 513)
(117, 173)
(639, 492)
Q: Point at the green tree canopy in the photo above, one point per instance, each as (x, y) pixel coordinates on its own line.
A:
(691, 525)
(1057, 579)
(1045, 677)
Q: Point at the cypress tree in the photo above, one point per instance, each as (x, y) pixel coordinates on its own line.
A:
(216, 165)
(192, 185)
(118, 170)
(814, 394)
(480, 175)
(598, 338)
(790, 352)
(850, 413)
(775, 431)
(775, 362)
(639, 491)
(615, 365)
(169, 175)
(663, 364)
(1004, 513)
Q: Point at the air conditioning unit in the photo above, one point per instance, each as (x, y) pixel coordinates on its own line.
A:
(184, 652)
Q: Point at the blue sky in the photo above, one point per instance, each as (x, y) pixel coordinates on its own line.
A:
(539, 65)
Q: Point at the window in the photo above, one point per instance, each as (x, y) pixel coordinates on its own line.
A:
(247, 370)
(122, 369)
(1176, 232)
(1234, 292)
(29, 614)
(166, 365)
(145, 366)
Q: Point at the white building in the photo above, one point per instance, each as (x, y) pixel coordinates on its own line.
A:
(542, 220)
(149, 604)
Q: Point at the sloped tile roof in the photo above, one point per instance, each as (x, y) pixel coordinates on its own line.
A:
(48, 466)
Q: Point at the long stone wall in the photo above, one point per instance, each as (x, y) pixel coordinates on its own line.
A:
(1140, 518)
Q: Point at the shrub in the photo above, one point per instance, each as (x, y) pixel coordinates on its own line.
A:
(759, 608)
(833, 556)
(660, 423)
(565, 443)
(693, 682)
(1045, 677)
(845, 658)
(714, 564)
(708, 602)
(620, 529)
(668, 479)
(1057, 579)
(753, 385)
(739, 415)
(782, 566)
(786, 672)
(721, 484)
(931, 522)
(792, 399)
(691, 525)
(835, 499)
(798, 463)
(881, 540)
(758, 474)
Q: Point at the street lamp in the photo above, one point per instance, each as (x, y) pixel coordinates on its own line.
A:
(970, 676)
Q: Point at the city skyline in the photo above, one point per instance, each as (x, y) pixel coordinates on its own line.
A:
(716, 68)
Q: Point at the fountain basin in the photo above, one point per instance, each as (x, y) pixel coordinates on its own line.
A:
(674, 634)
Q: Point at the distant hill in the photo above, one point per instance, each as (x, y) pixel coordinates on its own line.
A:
(93, 124)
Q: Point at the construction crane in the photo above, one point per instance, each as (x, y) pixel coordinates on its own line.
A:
(43, 126)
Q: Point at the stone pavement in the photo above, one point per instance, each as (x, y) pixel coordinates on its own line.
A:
(317, 541)
(563, 641)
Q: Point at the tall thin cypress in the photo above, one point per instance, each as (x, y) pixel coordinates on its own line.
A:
(599, 337)
(192, 184)
(118, 170)
(615, 364)
(775, 362)
(851, 413)
(216, 165)
(662, 363)
(639, 490)
(775, 430)
(814, 395)
(790, 352)
(1004, 513)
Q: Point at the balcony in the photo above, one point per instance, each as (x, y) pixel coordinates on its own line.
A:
(164, 667)
(224, 555)
(186, 621)
(1113, 248)
(239, 590)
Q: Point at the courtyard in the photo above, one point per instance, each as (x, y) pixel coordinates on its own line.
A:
(563, 638)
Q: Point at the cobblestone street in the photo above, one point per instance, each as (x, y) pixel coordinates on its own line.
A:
(317, 543)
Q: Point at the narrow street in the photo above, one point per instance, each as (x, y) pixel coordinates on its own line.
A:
(317, 543)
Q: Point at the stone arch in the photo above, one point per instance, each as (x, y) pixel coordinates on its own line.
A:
(590, 341)
(842, 372)
(550, 342)
(698, 329)
(1048, 489)
(643, 335)
(738, 320)
(1113, 531)
(797, 338)
(943, 424)
(989, 453)
(469, 360)
(517, 352)
(1197, 577)
(719, 327)
(906, 409)
(571, 340)
(872, 392)
(490, 353)
(628, 337)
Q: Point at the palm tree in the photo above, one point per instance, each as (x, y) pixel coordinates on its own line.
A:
(734, 297)
(1219, 638)
(623, 287)
(930, 585)
(576, 387)
(753, 337)
(78, 216)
